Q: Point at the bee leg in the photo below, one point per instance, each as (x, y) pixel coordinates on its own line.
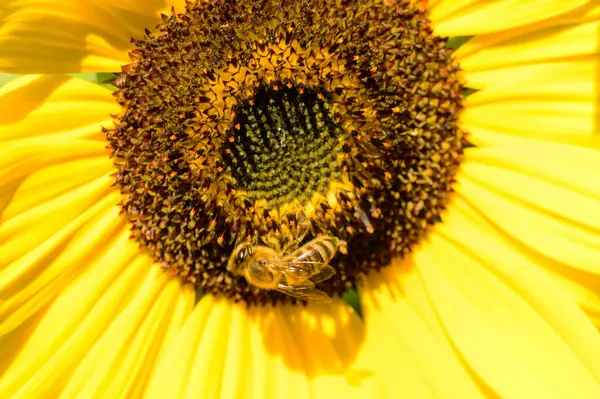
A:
(241, 238)
(295, 243)
(365, 220)
(306, 226)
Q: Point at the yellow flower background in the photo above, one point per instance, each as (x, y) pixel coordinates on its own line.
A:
(501, 300)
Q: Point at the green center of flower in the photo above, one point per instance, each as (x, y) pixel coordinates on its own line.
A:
(272, 123)
(283, 146)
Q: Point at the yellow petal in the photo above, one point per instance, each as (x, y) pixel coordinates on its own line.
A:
(35, 133)
(529, 274)
(546, 203)
(56, 204)
(493, 59)
(42, 185)
(518, 263)
(584, 288)
(97, 303)
(566, 166)
(172, 373)
(326, 338)
(561, 224)
(70, 36)
(34, 107)
(118, 364)
(40, 273)
(499, 334)
(27, 230)
(404, 338)
(285, 351)
(552, 102)
(11, 343)
(474, 17)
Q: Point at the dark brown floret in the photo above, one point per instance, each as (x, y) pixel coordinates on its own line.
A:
(255, 120)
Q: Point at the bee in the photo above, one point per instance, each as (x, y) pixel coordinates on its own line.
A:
(294, 274)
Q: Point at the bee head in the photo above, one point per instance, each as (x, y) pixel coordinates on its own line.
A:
(238, 257)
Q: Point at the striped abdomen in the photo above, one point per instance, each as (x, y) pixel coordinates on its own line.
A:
(320, 250)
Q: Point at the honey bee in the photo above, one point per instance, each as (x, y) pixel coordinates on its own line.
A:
(294, 274)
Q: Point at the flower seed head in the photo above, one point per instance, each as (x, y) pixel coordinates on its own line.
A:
(267, 121)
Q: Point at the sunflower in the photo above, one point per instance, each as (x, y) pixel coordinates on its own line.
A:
(459, 177)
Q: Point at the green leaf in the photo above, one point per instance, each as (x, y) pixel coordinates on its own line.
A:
(108, 86)
(90, 77)
(457, 41)
(107, 77)
(353, 299)
(104, 79)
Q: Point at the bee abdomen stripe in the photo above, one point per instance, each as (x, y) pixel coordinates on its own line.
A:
(325, 249)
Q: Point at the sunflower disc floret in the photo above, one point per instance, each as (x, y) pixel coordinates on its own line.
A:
(264, 121)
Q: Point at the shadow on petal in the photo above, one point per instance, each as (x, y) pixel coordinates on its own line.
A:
(318, 339)
(29, 96)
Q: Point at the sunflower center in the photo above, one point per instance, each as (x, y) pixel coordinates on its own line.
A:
(283, 145)
(254, 127)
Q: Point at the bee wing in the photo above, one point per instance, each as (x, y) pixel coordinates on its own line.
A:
(300, 271)
(305, 292)
(325, 273)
